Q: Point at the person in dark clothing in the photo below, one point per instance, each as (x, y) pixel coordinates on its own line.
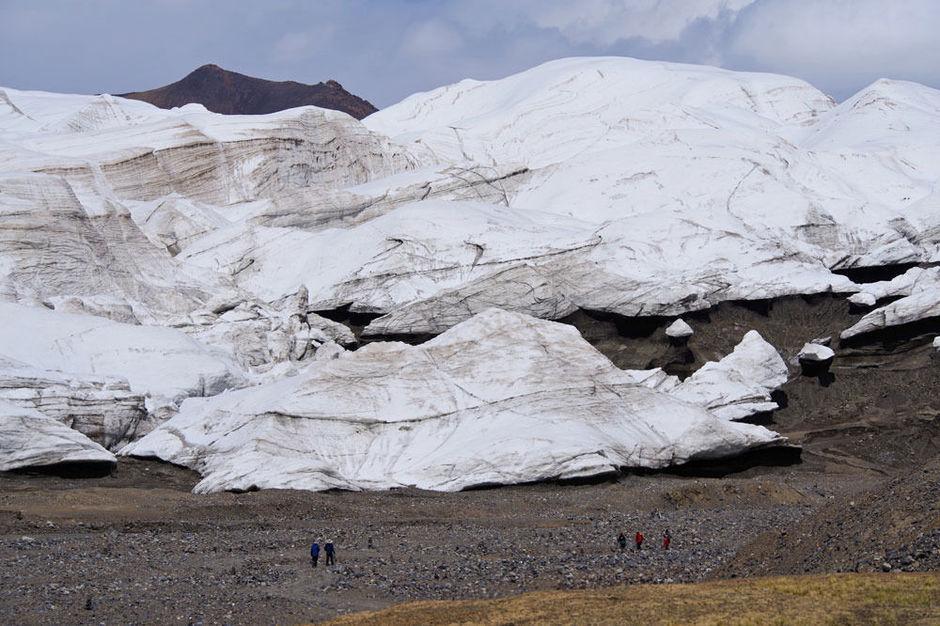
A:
(622, 541)
(639, 540)
(667, 539)
(314, 553)
(330, 553)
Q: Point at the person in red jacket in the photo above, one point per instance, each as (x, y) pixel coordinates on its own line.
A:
(639, 540)
(667, 539)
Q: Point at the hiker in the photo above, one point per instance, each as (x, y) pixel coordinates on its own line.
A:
(622, 541)
(639, 540)
(314, 553)
(330, 553)
(667, 539)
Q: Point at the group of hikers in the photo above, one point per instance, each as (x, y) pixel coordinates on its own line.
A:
(638, 540)
(328, 548)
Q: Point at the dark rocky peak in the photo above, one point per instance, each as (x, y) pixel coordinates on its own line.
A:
(223, 91)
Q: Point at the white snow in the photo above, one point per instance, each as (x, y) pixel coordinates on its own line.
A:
(739, 385)
(184, 251)
(102, 408)
(501, 398)
(671, 188)
(920, 299)
(160, 362)
(863, 298)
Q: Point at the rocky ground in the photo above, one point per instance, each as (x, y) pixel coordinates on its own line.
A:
(138, 547)
(894, 526)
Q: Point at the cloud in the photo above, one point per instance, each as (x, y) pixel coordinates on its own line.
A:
(605, 22)
(839, 43)
(385, 50)
(431, 38)
(293, 45)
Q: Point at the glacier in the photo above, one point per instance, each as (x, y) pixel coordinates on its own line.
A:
(480, 404)
(30, 439)
(164, 267)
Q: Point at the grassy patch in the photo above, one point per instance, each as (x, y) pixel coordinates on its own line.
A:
(835, 599)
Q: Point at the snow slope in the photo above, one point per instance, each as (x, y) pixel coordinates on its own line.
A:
(695, 184)
(160, 362)
(764, 158)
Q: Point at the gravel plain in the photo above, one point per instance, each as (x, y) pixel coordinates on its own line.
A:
(137, 547)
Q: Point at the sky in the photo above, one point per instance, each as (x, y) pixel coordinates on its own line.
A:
(385, 50)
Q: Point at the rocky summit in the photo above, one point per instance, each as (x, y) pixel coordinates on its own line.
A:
(223, 91)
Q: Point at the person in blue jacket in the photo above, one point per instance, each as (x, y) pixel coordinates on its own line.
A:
(314, 553)
(330, 552)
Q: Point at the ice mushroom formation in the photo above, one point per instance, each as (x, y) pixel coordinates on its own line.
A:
(679, 329)
(179, 271)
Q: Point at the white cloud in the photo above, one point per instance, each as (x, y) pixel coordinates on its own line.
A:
(838, 45)
(840, 42)
(387, 49)
(431, 38)
(303, 43)
(292, 45)
(596, 22)
(604, 22)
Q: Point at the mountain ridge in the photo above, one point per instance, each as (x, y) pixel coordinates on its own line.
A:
(231, 93)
